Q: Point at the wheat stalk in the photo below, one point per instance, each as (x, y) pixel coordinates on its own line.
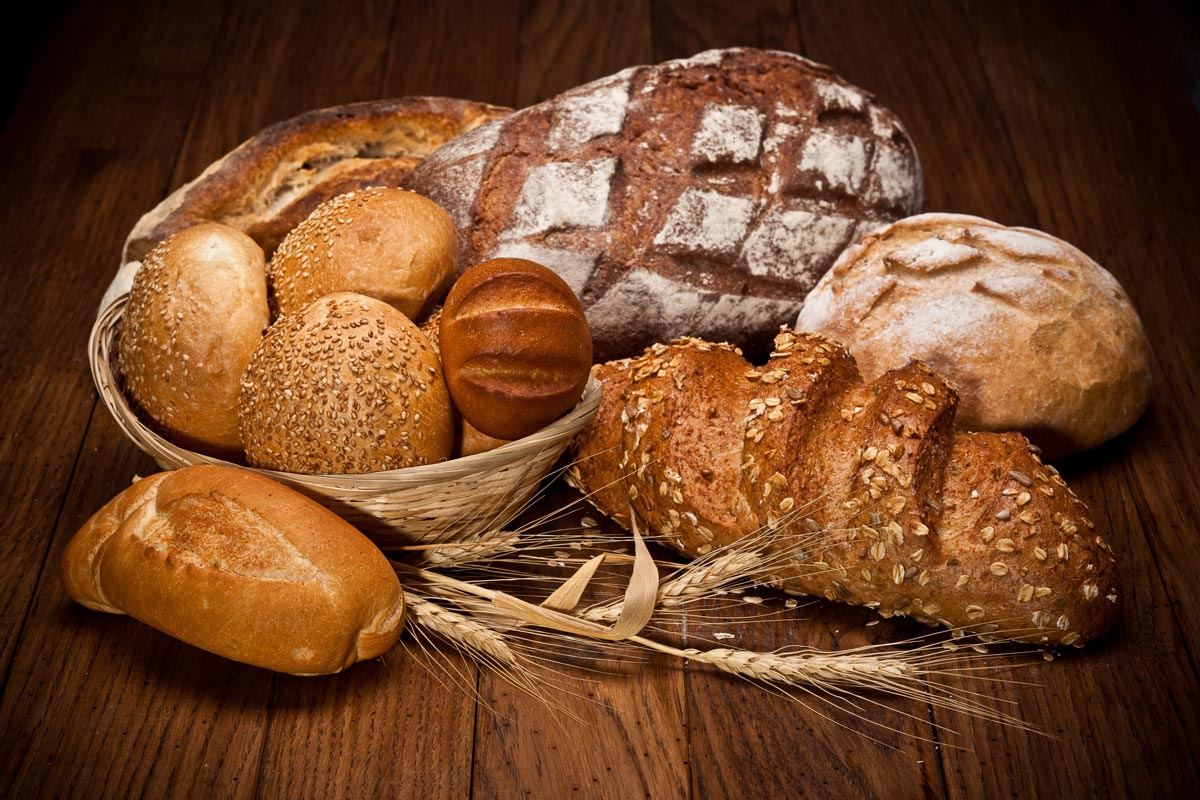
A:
(460, 630)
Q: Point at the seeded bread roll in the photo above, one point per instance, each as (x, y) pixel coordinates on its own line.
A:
(871, 493)
(241, 566)
(702, 197)
(197, 310)
(390, 244)
(1037, 337)
(348, 385)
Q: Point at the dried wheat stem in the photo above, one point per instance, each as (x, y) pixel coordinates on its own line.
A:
(698, 579)
(461, 553)
(460, 631)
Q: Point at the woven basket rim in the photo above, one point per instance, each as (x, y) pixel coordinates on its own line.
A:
(101, 354)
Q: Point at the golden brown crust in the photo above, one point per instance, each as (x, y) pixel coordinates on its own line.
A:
(272, 181)
(390, 244)
(348, 385)
(515, 345)
(877, 499)
(197, 311)
(1037, 337)
(241, 566)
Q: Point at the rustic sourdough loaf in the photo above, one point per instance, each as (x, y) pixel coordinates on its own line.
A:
(197, 311)
(275, 179)
(702, 196)
(241, 566)
(872, 495)
(1037, 337)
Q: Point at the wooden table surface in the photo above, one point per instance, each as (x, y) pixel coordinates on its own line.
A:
(1077, 118)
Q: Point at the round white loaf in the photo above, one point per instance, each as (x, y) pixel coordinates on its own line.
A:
(1037, 336)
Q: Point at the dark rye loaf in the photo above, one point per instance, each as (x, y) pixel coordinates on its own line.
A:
(703, 196)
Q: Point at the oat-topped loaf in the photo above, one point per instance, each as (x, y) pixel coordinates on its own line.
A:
(703, 196)
(873, 497)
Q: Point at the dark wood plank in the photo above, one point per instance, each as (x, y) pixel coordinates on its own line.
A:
(462, 49)
(102, 705)
(625, 736)
(71, 168)
(1126, 212)
(682, 29)
(568, 42)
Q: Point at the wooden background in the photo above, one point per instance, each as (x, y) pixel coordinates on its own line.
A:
(1074, 117)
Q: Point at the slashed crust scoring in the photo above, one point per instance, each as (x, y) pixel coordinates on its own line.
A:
(272, 181)
(703, 196)
(1036, 336)
(873, 495)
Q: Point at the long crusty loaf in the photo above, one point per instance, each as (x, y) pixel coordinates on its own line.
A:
(276, 178)
(968, 530)
(241, 566)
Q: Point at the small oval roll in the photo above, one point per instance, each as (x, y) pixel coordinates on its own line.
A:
(516, 347)
(241, 566)
(197, 310)
(390, 244)
(348, 385)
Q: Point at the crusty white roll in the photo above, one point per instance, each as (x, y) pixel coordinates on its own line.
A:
(348, 385)
(1037, 337)
(390, 244)
(241, 566)
(197, 310)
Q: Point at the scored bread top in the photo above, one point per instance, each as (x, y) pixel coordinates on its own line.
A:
(241, 566)
(273, 180)
(696, 197)
(1037, 337)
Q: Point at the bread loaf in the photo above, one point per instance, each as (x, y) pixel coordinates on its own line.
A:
(197, 311)
(276, 178)
(704, 196)
(390, 244)
(241, 566)
(348, 385)
(515, 346)
(1037, 337)
(969, 530)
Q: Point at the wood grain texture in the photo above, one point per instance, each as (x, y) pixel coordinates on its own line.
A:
(1080, 118)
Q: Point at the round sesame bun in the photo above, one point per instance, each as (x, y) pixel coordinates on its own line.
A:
(390, 244)
(348, 385)
(197, 310)
(1037, 337)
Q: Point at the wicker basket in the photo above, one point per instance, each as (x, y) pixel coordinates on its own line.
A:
(418, 505)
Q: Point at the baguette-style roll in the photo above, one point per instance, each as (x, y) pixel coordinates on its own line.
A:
(876, 499)
(241, 566)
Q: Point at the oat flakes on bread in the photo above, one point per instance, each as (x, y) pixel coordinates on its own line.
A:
(967, 530)
(701, 196)
(241, 566)
(1037, 337)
